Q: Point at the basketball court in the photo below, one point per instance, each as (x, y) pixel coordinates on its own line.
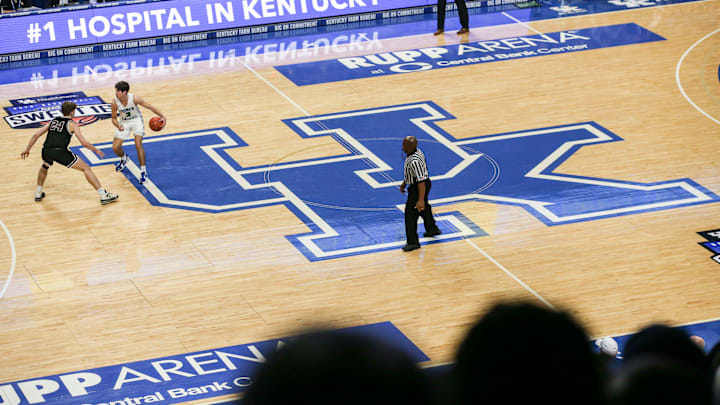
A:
(574, 171)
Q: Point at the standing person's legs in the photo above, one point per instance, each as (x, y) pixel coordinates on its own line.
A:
(89, 175)
(47, 158)
(440, 16)
(140, 150)
(463, 13)
(411, 217)
(42, 175)
(141, 159)
(431, 228)
(138, 128)
(105, 197)
(118, 149)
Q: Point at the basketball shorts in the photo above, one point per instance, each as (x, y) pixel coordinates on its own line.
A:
(60, 155)
(134, 126)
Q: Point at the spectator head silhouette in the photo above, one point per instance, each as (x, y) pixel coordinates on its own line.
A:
(671, 343)
(650, 379)
(323, 367)
(521, 353)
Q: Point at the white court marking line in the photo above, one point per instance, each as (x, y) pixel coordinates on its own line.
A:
(506, 271)
(521, 23)
(500, 266)
(677, 70)
(677, 75)
(677, 78)
(12, 260)
(484, 253)
(307, 114)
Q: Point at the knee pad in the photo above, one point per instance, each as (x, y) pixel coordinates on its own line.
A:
(45, 166)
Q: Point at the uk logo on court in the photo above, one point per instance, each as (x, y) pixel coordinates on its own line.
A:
(350, 202)
(34, 112)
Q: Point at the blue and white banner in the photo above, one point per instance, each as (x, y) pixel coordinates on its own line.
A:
(34, 112)
(96, 25)
(173, 379)
(438, 57)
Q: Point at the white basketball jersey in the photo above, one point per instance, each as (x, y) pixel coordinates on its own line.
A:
(129, 111)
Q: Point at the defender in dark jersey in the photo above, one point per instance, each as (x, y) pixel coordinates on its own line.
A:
(60, 130)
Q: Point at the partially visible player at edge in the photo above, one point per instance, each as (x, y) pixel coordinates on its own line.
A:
(127, 117)
(60, 130)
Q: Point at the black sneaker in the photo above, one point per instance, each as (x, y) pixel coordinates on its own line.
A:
(42, 195)
(434, 232)
(410, 247)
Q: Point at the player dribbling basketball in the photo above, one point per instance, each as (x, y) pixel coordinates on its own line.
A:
(127, 118)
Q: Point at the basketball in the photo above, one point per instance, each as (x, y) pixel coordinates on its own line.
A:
(156, 123)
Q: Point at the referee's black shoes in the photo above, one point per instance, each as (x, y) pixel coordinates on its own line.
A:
(410, 247)
(434, 232)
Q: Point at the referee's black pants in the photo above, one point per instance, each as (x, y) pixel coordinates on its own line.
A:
(412, 214)
(462, 11)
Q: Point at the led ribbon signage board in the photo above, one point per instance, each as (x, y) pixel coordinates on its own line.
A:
(175, 17)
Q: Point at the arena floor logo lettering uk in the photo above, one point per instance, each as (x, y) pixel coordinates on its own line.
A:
(34, 112)
(351, 202)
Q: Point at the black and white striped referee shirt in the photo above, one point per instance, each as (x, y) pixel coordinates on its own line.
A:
(415, 168)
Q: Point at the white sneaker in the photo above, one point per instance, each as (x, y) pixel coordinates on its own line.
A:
(109, 197)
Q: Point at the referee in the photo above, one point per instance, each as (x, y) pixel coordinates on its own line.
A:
(418, 182)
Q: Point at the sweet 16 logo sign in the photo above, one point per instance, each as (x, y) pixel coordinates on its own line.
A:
(34, 112)
(350, 202)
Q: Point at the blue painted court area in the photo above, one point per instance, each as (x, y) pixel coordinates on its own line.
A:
(351, 202)
(175, 379)
(464, 54)
(350, 37)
